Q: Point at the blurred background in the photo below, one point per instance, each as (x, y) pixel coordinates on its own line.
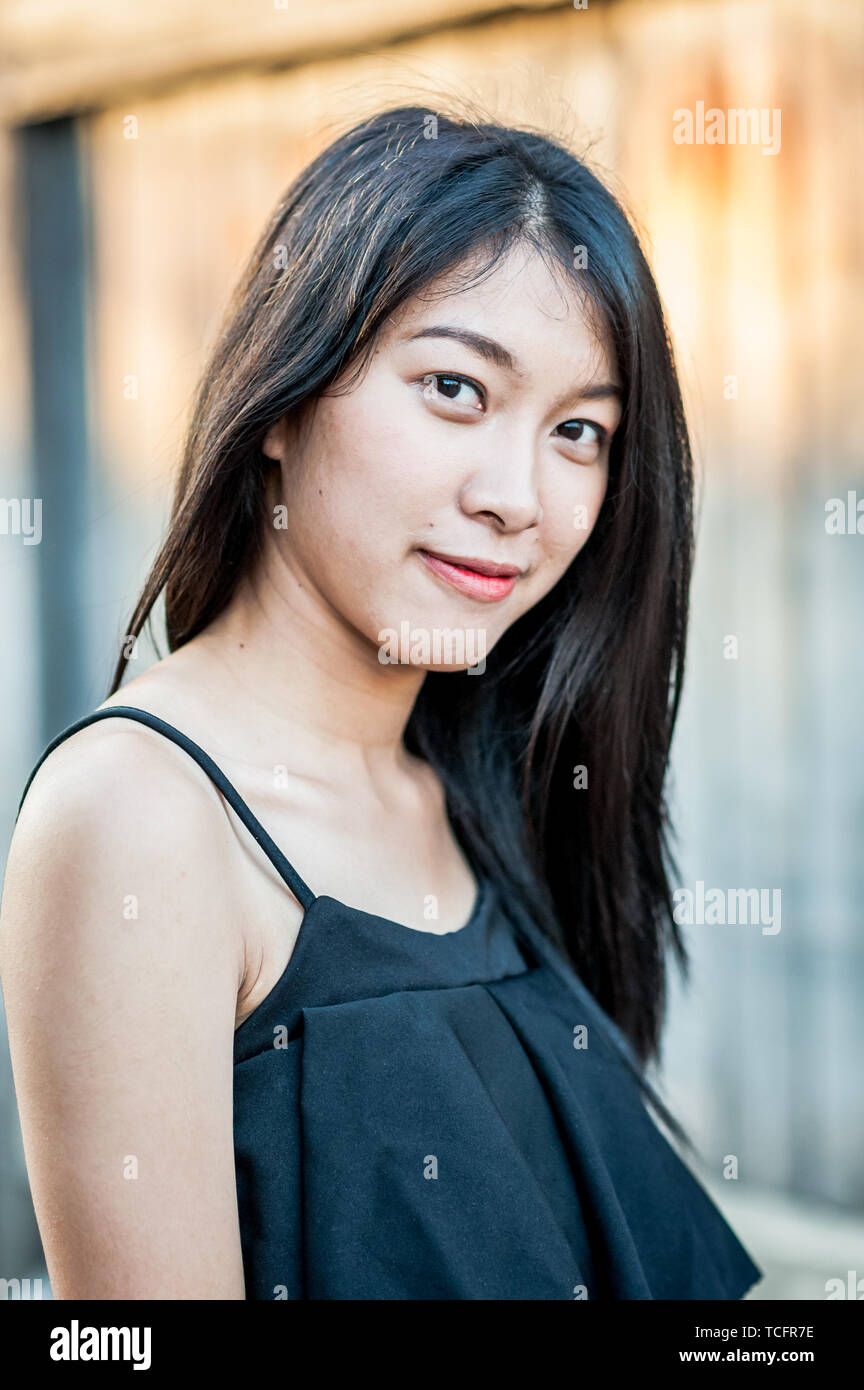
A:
(142, 147)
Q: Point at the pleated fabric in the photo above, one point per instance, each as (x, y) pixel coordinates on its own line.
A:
(449, 1117)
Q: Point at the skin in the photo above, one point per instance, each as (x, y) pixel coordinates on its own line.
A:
(121, 1027)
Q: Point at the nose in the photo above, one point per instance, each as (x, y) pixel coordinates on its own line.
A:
(503, 489)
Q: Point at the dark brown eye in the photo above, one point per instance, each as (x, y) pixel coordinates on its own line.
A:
(580, 437)
(448, 385)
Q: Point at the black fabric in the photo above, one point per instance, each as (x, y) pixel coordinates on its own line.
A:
(412, 1119)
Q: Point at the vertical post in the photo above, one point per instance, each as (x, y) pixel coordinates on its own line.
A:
(53, 251)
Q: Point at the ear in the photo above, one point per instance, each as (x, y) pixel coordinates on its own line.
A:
(273, 443)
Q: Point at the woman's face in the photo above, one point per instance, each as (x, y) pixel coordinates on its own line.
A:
(477, 440)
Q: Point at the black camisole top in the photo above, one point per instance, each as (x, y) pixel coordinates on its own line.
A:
(425, 1116)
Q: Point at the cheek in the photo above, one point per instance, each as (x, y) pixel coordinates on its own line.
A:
(349, 501)
(369, 455)
(570, 513)
(344, 482)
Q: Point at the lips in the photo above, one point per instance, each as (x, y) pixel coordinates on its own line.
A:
(479, 579)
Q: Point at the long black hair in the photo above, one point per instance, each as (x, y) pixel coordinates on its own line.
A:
(591, 676)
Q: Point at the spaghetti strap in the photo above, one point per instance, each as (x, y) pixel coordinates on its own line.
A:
(286, 870)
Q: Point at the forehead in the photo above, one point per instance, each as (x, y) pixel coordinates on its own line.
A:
(526, 302)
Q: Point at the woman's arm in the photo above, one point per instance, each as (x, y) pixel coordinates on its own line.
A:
(121, 961)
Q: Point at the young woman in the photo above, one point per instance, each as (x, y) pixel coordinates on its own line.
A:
(425, 593)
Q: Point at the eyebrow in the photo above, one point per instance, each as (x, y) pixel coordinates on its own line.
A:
(497, 353)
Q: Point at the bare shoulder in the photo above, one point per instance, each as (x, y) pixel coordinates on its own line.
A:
(119, 821)
(120, 968)
(113, 776)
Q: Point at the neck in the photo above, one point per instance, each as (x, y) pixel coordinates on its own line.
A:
(289, 657)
